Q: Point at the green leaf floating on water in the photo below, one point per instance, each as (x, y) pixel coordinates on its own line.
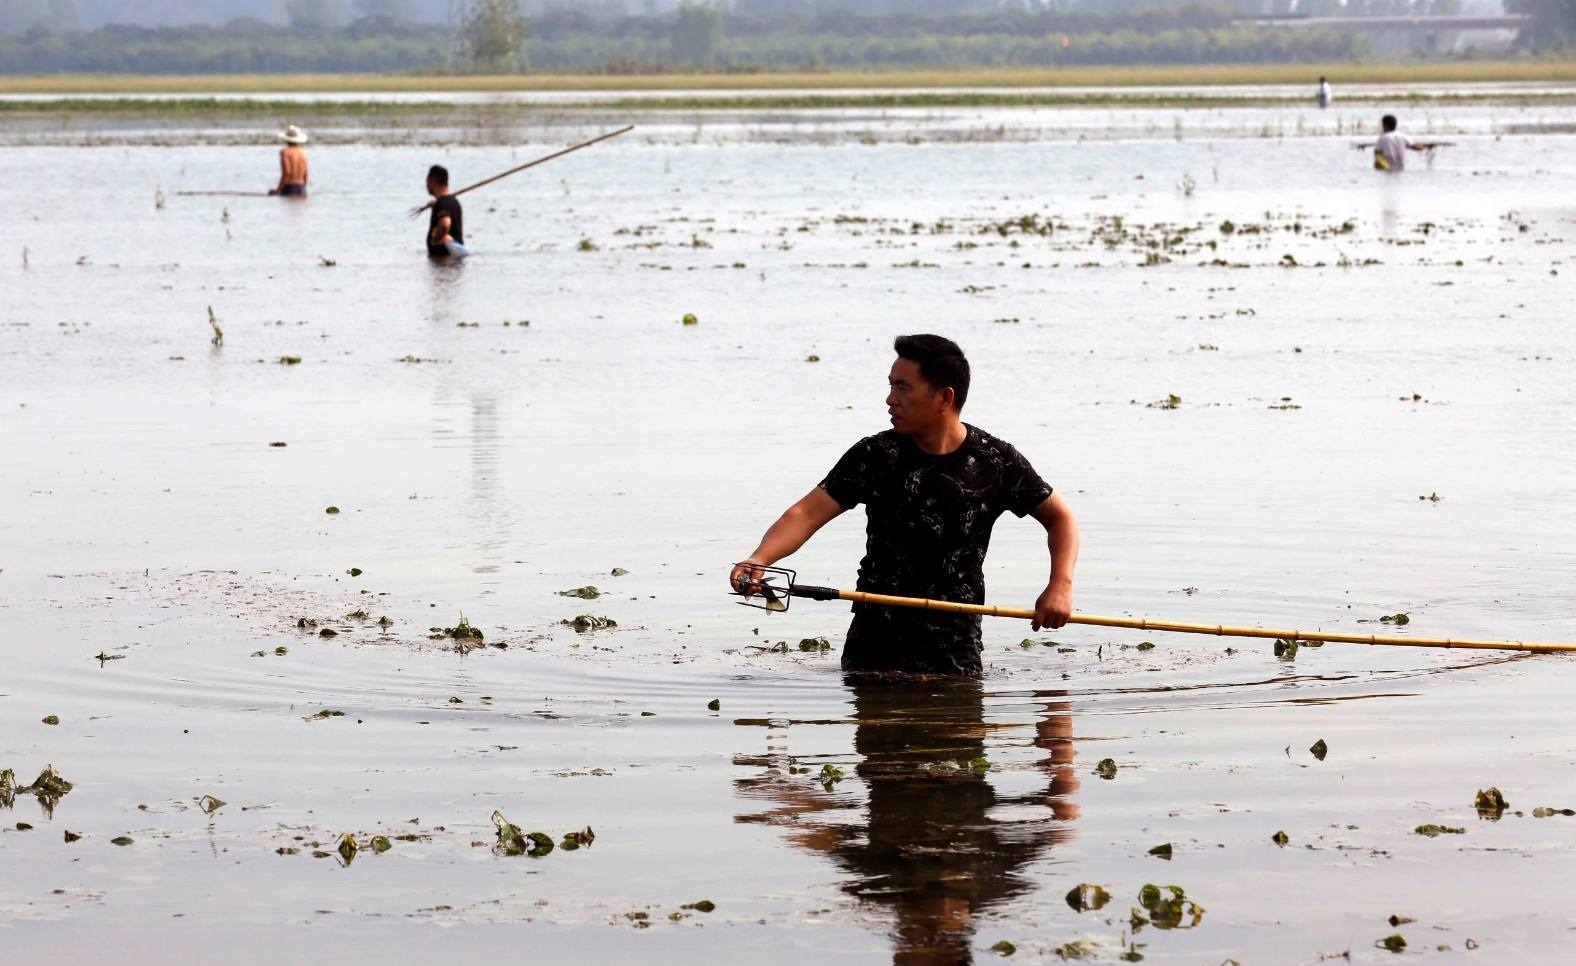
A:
(1087, 895)
(588, 592)
(574, 840)
(704, 905)
(1162, 851)
(121, 840)
(1490, 803)
(1395, 943)
(1543, 811)
(51, 719)
(815, 644)
(830, 775)
(347, 847)
(1399, 620)
(1280, 838)
(1003, 948)
(1286, 650)
(325, 713)
(1433, 831)
(1146, 646)
(1319, 749)
(1077, 949)
(7, 780)
(1106, 768)
(379, 844)
(714, 705)
(209, 804)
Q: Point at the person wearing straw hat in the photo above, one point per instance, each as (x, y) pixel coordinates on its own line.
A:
(292, 163)
(933, 487)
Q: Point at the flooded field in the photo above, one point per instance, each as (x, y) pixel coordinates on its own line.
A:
(1277, 387)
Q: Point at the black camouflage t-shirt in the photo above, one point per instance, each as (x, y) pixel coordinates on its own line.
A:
(929, 521)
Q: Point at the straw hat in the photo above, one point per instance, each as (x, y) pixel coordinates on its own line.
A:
(292, 135)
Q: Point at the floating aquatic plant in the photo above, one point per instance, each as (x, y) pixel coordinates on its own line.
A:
(1087, 896)
(588, 622)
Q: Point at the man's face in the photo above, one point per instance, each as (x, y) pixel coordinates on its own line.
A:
(913, 403)
(433, 187)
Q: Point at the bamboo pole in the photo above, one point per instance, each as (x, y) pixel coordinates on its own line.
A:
(1178, 627)
(529, 164)
(225, 194)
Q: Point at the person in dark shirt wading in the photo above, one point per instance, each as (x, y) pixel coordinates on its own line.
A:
(446, 230)
(932, 487)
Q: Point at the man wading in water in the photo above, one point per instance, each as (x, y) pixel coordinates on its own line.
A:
(932, 487)
(292, 164)
(446, 230)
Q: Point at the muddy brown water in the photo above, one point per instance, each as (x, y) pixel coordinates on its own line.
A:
(1353, 343)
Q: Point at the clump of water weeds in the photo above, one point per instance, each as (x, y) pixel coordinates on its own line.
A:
(218, 333)
(512, 841)
(1164, 907)
(588, 592)
(1086, 895)
(463, 632)
(1490, 804)
(49, 788)
(588, 622)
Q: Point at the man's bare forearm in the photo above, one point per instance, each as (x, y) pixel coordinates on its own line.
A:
(1062, 539)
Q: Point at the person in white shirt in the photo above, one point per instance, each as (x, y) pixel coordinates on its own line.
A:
(1325, 95)
(1390, 150)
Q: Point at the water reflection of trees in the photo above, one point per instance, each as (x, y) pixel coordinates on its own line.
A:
(941, 841)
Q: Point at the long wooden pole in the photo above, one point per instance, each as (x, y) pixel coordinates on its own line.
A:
(227, 194)
(1175, 627)
(529, 164)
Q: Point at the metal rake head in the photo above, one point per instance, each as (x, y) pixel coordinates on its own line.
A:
(773, 585)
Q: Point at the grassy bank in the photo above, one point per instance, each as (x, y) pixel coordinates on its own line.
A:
(1232, 75)
(209, 109)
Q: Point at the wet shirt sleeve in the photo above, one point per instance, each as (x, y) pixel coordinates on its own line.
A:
(849, 481)
(1022, 488)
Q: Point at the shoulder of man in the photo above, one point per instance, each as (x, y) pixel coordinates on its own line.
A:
(988, 445)
(886, 444)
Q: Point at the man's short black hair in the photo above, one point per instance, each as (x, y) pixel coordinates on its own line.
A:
(1387, 122)
(941, 362)
(438, 174)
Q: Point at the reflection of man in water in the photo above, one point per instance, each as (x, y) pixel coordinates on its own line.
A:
(1390, 150)
(942, 845)
(932, 487)
(292, 163)
(446, 229)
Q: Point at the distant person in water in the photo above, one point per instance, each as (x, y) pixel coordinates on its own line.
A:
(446, 230)
(292, 163)
(1390, 150)
(1325, 95)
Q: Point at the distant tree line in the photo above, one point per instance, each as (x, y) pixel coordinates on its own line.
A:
(493, 36)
